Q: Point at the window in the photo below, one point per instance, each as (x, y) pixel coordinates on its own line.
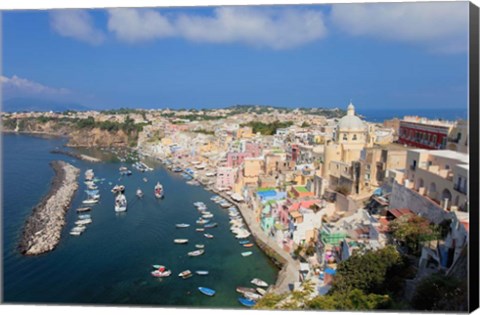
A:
(354, 137)
(344, 136)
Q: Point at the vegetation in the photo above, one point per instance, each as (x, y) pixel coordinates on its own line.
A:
(440, 292)
(413, 230)
(267, 129)
(305, 125)
(350, 300)
(206, 132)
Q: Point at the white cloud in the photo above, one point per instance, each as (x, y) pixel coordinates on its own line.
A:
(272, 28)
(441, 26)
(134, 25)
(16, 86)
(77, 24)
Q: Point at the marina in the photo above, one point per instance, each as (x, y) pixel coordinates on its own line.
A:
(148, 227)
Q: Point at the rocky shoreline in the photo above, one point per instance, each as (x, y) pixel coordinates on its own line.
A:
(43, 228)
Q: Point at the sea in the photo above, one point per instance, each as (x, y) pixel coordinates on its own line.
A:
(110, 263)
(380, 115)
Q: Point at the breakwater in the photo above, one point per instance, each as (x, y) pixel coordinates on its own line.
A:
(43, 228)
(77, 156)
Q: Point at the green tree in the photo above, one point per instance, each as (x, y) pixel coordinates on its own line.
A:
(441, 293)
(413, 230)
(350, 300)
(368, 272)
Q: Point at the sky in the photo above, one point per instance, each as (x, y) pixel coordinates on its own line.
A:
(383, 55)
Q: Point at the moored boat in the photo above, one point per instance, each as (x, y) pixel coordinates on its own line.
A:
(242, 290)
(84, 209)
(182, 225)
(208, 235)
(158, 190)
(252, 296)
(245, 254)
(185, 274)
(259, 282)
(247, 302)
(200, 229)
(200, 246)
(139, 193)
(90, 201)
(83, 222)
(261, 291)
(180, 241)
(207, 291)
(201, 272)
(211, 225)
(120, 203)
(248, 245)
(161, 274)
(158, 266)
(197, 252)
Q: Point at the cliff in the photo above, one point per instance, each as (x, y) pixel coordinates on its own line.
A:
(78, 136)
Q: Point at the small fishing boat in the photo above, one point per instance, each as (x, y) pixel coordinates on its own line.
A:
(83, 222)
(197, 252)
(185, 274)
(180, 241)
(118, 188)
(79, 228)
(261, 291)
(207, 216)
(242, 290)
(84, 216)
(252, 296)
(200, 229)
(207, 291)
(201, 272)
(139, 193)
(248, 245)
(243, 242)
(247, 302)
(208, 235)
(161, 274)
(158, 267)
(259, 282)
(200, 246)
(158, 190)
(145, 179)
(202, 221)
(75, 233)
(182, 225)
(245, 254)
(90, 201)
(84, 209)
(120, 203)
(211, 225)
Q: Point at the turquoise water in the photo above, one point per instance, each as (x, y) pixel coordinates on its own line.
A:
(111, 262)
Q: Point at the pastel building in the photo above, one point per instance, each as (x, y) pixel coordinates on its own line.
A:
(226, 177)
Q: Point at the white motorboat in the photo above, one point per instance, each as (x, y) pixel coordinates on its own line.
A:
(120, 203)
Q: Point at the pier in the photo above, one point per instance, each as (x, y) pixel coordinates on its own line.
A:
(77, 156)
(43, 228)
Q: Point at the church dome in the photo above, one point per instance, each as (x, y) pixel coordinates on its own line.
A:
(350, 121)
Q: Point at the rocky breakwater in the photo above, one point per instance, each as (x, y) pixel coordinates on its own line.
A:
(43, 228)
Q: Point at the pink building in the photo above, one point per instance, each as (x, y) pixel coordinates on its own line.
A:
(235, 159)
(225, 178)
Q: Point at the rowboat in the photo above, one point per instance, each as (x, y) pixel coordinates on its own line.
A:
(261, 291)
(90, 201)
(200, 246)
(201, 272)
(208, 235)
(247, 302)
(242, 242)
(200, 229)
(84, 209)
(252, 296)
(242, 290)
(259, 282)
(139, 193)
(84, 216)
(161, 274)
(79, 229)
(84, 221)
(185, 274)
(211, 225)
(207, 216)
(75, 233)
(248, 245)
(202, 221)
(207, 291)
(158, 266)
(180, 241)
(182, 225)
(197, 252)
(245, 254)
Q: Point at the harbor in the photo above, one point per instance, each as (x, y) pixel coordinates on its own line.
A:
(111, 261)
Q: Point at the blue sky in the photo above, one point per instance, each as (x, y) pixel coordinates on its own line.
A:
(408, 55)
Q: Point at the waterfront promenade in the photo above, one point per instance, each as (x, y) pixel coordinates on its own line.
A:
(289, 272)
